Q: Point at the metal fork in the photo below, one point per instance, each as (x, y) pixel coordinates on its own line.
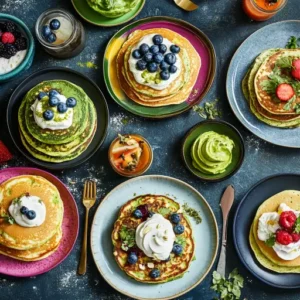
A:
(88, 200)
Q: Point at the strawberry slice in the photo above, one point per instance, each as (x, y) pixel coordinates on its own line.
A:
(5, 155)
(296, 69)
(284, 92)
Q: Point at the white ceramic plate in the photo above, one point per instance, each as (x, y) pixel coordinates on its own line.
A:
(205, 235)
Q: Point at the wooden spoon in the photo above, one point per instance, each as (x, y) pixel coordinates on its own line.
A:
(186, 4)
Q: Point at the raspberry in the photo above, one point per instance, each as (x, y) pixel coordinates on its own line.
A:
(296, 237)
(283, 237)
(5, 155)
(287, 219)
(7, 38)
(21, 43)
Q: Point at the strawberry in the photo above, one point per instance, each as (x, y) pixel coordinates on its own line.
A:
(5, 155)
(284, 92)
(296, 64)
(283, 237)
(8, 38)
(296, 237)
(287, 219)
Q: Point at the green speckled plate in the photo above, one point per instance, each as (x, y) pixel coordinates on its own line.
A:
(197, 38)
(205, 236)
(91, 16)
(220, 127)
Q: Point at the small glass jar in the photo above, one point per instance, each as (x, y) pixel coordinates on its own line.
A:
(256, 10)
(70, 37)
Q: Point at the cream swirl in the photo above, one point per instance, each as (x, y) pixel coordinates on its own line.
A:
(155, 237)
(31, 203)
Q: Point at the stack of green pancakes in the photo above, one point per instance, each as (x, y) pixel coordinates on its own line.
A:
(57, 145)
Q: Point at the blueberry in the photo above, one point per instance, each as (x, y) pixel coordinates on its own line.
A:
(154, 49)
(150, 214)
(137, 214)
(173, 69)
(144, 48)
(158, 57)
(48, 115)
(154, 273)
(178, 229)
(175, 218)
(51, 38)
(71, 102)
(141, 65)
(23, 210)
(170, 58)
(54, 24)
(53, 101)
(174, 49)
(157, 39)
(162, 48)
(164, 75)
(41, 95)
(30, 214)
(136, 54)
(177, 249)
(132, 258)
(164, 66)
(148, 57)
(62, 107)
(46, 31)
(53, 93)
(152, 67)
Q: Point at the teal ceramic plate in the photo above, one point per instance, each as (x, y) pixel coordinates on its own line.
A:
(107, 213)
(197, 38)
(220, 127)
(91, 16)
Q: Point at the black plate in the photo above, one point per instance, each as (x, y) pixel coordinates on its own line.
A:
(244, 216)
(77, 78)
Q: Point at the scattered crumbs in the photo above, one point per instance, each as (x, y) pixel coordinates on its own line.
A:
(254, 142)
(195, 92)
(209, 110)
(34, 288)
(192, 213)
(119, 120)
(87, 64)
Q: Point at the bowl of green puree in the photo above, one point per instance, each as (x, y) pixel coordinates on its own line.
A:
(213, 150)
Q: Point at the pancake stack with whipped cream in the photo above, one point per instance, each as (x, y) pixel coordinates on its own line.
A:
(157, 67)
(31, 214)
(57, 121)
(153, 239)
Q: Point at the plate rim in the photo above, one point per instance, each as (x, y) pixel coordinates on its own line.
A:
(143, 2)
(235, 237)
(163, 177)
(212, 69)
(228, 81)
(77, 214)
(27, 155)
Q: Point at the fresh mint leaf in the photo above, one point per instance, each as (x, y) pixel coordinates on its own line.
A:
(270, 242)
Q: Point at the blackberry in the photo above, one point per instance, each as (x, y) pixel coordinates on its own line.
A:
(21, 43)
(8, 51)
(17, 34)
(10, 26)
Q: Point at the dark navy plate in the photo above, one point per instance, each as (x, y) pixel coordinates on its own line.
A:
(274, 35)
(90, 88)
(243, 218)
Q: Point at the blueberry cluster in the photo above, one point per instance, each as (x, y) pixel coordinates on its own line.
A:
(30, 214)
(153, 58)
(47, 31)
(54, 101)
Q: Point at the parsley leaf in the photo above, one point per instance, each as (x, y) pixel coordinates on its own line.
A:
(292, 43)
(297, 225)
(288, 105)
(270, 242)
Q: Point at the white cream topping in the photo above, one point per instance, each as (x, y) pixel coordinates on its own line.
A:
(155, 237)
(9, 64)
(268, 224)
(138, 74)
(60, 120)
(32, 203)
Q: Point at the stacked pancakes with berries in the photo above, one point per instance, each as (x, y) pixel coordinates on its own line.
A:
(157, 67)
(275, 233)
(272, 87)
(153, 239)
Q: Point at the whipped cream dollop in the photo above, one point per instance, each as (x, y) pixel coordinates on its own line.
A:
(31, 203)
(268, 224)
(60, 120)
(147, 39)
(155, 237)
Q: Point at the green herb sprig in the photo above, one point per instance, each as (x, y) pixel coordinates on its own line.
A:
(270, 242)
(7, 218)
(127, 236)
(229, 289)
(293, 43)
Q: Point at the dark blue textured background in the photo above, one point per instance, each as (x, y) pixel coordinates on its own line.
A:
(227, 26)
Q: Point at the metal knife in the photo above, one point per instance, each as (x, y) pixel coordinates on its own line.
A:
(226, 204)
